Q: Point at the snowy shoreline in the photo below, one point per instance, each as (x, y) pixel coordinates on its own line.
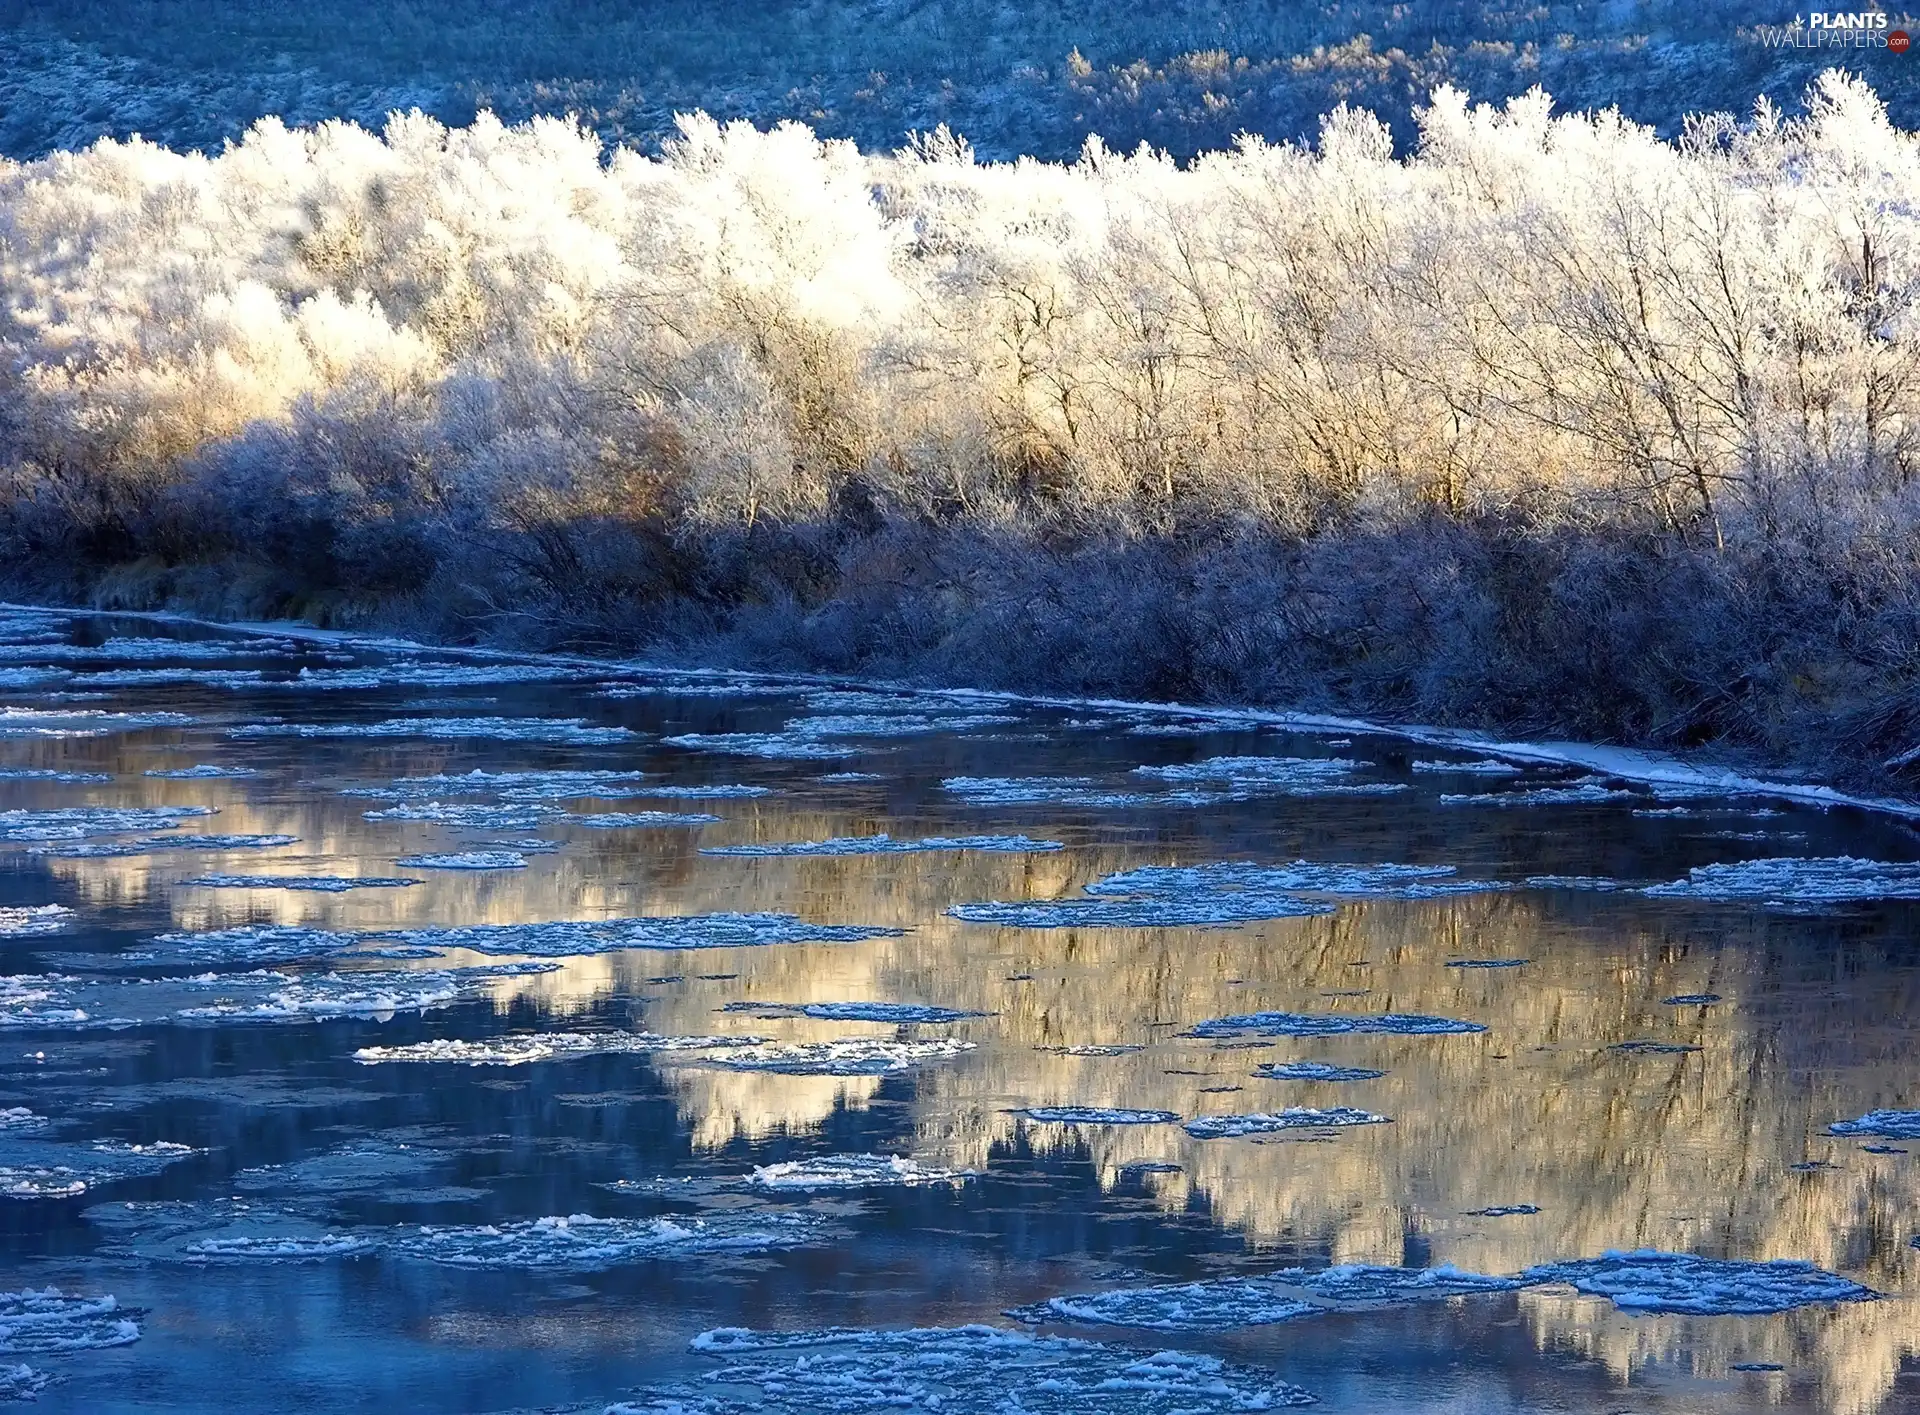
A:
(1646, 767)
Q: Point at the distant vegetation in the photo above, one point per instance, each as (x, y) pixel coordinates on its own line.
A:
(1553, 425)
(1012, 76)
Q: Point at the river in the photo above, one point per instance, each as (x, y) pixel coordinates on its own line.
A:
(399, 1029)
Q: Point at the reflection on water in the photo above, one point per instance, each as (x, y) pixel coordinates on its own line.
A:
(1539, 1139)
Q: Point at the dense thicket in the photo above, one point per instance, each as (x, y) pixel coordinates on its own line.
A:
(1552, 423)
(1031, 78)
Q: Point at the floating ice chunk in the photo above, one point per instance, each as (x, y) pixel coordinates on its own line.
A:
(150, 650)
(1692, 999)
(887, 845)
(721, 792)
(1641, 1046)
(321, 884)
(1288, 1295)
(526, 815)
(160, 677)
(1580, 794)
(18, 1120)
(1289, 776)
(80, 822)
(1067, 791)
(119, 848)
(855, 1011)
(1314, 1071)
(1294, 1117)
(512, 785)
(1793, 881)
(1887, 1124)
(1220, 1305)
(639, 820)
(850, 1056)
(1649, 1281)
(1598, 884)
(33, 677)
(64, 778)
(1504, 1211)
(34, 920)
(1176, 729)
(21, 1382)
(48, 1320)
(546, 1046)
(200, 773)
(252, 944)
(1095, 1115)
(892, 725)
(854, 1172)
(569, 731)
(277, 1248)
(957, 1371)
(582, 1243)
(776, 746)
(839, 777)
(1488, 962)
(567, 939)
(1301, 1024)
(435, 675)
(466, 860)
(53, 1001)
(1222, 895)
(364, 1166)
(1486, 766)
(87, 722)
(48, 1169)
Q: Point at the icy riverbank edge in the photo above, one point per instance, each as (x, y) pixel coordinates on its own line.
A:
(1626, 763)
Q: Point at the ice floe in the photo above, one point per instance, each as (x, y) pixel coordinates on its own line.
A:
(1488, 962)
(1294, 1117)
(1642, 1046)
(1795, 881)
(151, 650)
(359, 1167)
(1304, 1024)
(49, 774)
(1222, 895)
(776, 746)
(200, 773)
(1692, 999)
(51, 1169)
(34, 920)
(957, 1371)
(1095, 1115)
(640, 820)
(12, 678)
(1287, 776)
(849, 1056)
(510, 785)
(1649, 1281)
(18, 1120)
(435, 675)
(241, 678)
(566, 731)
(669, 931)
(545, 1046)
(1226, 1303)
(1504, 1211)
(86, 722)
(81, 822)
(1067, 791)
(1886, 1124)
(248, 944)
(582, 1243)
(524, 815)
(1485, 766)
(466, 860)
(93, 850)
(1096, 1049)
(854, 1011)
(63, 1003)
(46, 1320)
(1586, 793)
(1314, 1071)
(319, 884)
(827, 1172)
(887, 845)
